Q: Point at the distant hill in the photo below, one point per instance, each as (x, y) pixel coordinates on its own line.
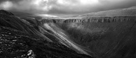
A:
(117, 12)
(131, 11)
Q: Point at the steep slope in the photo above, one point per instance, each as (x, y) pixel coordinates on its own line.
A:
(19, 39)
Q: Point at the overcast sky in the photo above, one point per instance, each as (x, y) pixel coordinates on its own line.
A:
(64, 6)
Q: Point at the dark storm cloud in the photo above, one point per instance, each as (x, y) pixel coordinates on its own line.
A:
(102, 5)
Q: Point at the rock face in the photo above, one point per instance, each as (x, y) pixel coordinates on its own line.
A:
(19, 39)
(106, 37)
